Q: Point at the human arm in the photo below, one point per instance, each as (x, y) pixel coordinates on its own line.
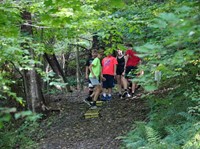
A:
(87, 69)
(115, 69)
(86, 72)
(115, 66)
(142, 71)
(102, 78)
(90, 68)
(125, 62)
(101, 75)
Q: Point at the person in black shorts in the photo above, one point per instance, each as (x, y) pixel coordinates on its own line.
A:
(131, 63)
(109, 66)
(120, 69)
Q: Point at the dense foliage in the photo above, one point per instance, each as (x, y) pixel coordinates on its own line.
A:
(166, 35)
(171, 34)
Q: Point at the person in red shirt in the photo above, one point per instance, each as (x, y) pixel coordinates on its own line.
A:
(109, 72)
(131, 63)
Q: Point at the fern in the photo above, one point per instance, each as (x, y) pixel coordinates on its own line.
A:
(141, 142)
(151, 135)
(186, 115)
(183, 135)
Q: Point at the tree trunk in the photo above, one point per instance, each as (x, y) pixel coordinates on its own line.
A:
(53, 62)
(67, 55)
(33, 91)
(77, 69)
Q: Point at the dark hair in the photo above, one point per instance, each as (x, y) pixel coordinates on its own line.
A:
(94, 50)
(114, 53)
(128, 45)
(100, 51)
(101, 48)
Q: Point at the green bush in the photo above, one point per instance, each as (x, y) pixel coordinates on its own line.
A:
(172, 47)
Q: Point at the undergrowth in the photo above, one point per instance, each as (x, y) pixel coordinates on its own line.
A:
(172, 124)
(21, 135)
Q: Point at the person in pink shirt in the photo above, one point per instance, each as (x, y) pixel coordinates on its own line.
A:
(109, 72)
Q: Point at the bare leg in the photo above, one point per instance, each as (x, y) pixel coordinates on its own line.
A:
(93, 93)
(126, 93)
(125, 83)
(133, 87)
(122, 81)
(104, 91)
(119, 88)
(110, 91)
(119, 84)
(97, 92)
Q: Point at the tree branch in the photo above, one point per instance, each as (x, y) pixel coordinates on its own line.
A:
(85, 39)
(36, 26)
(78, 46)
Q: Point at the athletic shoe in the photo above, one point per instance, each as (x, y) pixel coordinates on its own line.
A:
(87, 102)
(93, 107)
(132, 94)
(104, 98)
(119, 95)
(109, 98)
(126, 94)
(89, 98)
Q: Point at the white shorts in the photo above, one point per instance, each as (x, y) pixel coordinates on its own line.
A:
(94, 81)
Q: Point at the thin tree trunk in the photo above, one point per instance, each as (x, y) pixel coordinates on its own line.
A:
(33, 91)
(63, 62)
(53, 62)
(77, 68)
(67, 55)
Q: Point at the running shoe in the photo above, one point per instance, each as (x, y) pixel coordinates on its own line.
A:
(109, 98)
(103, 98)
(87, 102)
(93, 107)
(126, 94)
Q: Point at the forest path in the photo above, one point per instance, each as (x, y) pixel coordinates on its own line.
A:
(69, 129)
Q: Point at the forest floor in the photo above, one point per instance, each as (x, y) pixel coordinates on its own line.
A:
(68, 129)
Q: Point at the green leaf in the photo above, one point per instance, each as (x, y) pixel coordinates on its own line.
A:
(169, 17)
(1, 124)
(117, 3)
(7, 110)
(23, 114)
(121, 47)
(150, 88)
(158, 23)
(184, 9)
(5, 118)
(48, 2)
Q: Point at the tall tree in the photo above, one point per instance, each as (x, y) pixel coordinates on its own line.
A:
(77, 68)
(33, 91)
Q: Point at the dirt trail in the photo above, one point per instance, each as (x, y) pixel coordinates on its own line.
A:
(69, 130)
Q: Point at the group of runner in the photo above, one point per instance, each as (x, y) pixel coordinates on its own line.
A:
(101, 74)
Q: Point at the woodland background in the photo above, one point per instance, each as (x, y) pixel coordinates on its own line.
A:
(44, 45)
